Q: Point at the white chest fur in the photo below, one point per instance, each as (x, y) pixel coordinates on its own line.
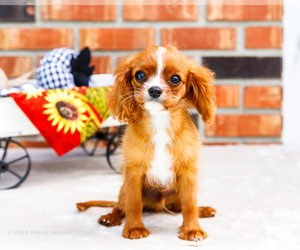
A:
(161, 172)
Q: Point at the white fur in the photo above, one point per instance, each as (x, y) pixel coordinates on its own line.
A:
(161, 172)
(156, 81)
(160, 52)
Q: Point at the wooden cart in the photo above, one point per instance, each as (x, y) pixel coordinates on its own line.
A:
(14, 123)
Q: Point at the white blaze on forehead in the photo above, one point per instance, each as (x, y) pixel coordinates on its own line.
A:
(156, 82)
(160, 52)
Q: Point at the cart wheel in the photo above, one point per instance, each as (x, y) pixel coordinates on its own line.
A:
(114, 154)
(90, 145)
(14, 165)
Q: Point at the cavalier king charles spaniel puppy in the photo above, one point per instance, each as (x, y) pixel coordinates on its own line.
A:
(153, 92)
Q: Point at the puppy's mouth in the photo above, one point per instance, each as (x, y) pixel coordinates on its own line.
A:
(154, 106)
(151, 99)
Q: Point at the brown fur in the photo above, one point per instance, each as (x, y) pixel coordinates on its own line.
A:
(196, 90)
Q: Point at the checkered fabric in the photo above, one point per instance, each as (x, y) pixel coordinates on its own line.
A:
(55, 69)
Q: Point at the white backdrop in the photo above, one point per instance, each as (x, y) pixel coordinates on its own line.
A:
(291, 74)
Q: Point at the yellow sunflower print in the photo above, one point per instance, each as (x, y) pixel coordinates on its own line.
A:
(33, 93)
(65, 110)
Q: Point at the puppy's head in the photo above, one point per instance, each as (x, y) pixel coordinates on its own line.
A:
(161, 78)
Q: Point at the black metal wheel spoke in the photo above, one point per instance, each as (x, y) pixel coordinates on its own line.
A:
(95, 147)
(14, 173)
(113, 148)
(16, 160)
(84, 146)
(5, 171)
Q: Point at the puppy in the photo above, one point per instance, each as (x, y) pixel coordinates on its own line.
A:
(153, 93)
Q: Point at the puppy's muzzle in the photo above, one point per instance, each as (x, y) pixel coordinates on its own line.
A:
(155, 92)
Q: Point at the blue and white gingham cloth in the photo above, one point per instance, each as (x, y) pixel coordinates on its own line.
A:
(31, 85)
(55, 69)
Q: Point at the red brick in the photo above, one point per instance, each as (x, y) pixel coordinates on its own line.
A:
(244, 10)
(57, 10)
(228, 96)
(117, 38)
(245, 125)
(35, 38)
(14, 66)
(263, 37)
(38, 60)
(162, 10)
(199, 38)
(102, 64)
(262, 97)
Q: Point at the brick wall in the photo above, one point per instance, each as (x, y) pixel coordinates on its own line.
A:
(241, 43)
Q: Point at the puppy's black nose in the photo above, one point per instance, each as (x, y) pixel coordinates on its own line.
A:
(155, 92)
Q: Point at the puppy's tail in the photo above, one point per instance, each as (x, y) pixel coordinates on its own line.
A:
(85, 205)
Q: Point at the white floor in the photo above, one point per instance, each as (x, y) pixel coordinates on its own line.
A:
(255, 189)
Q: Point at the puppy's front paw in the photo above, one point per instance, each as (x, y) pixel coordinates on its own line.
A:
(193, 235)
(135, 233)
(110, 220)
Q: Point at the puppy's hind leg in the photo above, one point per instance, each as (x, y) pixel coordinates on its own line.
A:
(115, 217)
(112, 219)
(203, 212)
(206, 212)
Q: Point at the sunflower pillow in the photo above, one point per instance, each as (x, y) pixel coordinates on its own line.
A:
(65, 118)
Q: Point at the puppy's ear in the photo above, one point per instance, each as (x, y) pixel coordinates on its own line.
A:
(123, 105)
(201, 92)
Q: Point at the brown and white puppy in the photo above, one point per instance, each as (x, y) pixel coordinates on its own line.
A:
(153, 93)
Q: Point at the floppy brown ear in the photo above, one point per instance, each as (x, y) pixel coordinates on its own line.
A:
(201, 92)
(123, 105)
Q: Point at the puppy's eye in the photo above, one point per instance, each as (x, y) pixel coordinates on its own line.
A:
(175, 79)
(140, 76)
